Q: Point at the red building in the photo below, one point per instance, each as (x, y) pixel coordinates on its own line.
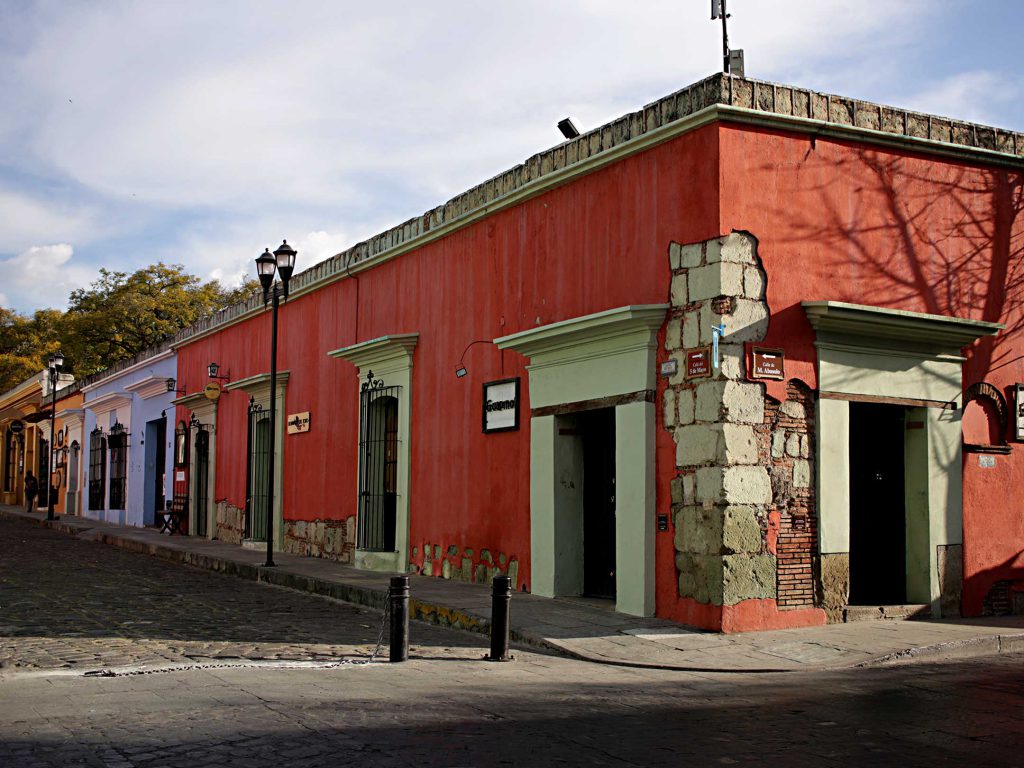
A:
(745, 358)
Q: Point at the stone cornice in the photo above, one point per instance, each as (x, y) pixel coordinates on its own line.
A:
(253, 385)
(877, 325)
(598, 327)
(375, 352)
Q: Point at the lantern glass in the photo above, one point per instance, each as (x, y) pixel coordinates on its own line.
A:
(213, 369)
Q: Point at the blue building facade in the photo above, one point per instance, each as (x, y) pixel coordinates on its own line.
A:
(128, 430)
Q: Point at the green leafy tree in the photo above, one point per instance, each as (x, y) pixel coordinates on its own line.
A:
(123, 314)
(26, 343)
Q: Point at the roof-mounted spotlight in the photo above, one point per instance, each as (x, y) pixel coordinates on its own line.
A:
(567, 128)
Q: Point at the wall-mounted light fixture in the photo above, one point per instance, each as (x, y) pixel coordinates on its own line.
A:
(567, 128)
(460, 369)
(213, 371)
(172, 385)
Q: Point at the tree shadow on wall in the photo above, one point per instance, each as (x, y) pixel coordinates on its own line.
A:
(949, 245)
(925, 235)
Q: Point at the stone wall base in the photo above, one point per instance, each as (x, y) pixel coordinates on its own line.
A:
(329, 539)
(835, 585)
(950, 563)
(230, 523)
(464, 564)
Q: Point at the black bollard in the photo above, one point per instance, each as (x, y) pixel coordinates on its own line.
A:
(398, 594)
(501, 598)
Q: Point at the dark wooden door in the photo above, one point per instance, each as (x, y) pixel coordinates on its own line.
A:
(878, 521)
(597, 429)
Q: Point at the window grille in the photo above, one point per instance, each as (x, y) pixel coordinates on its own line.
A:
(378, 470)
(257, 465)
(97, 469)
(10, 446)
(118, 444)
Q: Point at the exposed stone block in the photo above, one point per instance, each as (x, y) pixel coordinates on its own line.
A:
(754, 283)
(748, 321)
(741, 530)
(699, 530)
(674, 334)
(723, 279)
(949, 562)
(778, 443)
(691, 330)
(696, 444)
(673, 256)
(676, 488)
(805, 447)
(732, 401)
(690, 256)
(734, 485)
(835, 584)
(689, 483)
(794, 409)
(669, 408)
(700, 577)
(677, 294)
(686, 404)
(708, 318)
(793, 444)
(801, 473)
(748, 577)
(735, 247)
(731, 361)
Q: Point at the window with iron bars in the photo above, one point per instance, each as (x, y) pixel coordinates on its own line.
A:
(10, 446)
(118, 444)
(97, 469)
(257, 465)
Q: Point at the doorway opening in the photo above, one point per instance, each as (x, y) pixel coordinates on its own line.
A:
(200, 495)
(597, 435)
(878, 514)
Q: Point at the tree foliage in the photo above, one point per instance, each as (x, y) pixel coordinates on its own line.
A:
(115, 318)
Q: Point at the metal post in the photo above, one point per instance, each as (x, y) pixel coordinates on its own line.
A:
(273, 428)
(398, 594)
(501, 598)
(726, 68)
(53, 443)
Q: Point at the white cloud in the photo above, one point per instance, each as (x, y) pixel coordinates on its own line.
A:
(210, 127)
(972, 96)
(42, 276)
(26, 219)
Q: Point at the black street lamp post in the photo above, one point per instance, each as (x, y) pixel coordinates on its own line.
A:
(283, 261)
(55, 364)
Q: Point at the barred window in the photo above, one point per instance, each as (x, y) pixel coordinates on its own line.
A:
(118, 443)
(97, 469)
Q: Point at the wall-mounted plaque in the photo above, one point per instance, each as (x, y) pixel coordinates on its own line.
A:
(298, 422)
(767, 363)
(501, 405)
(670, 367)
(698, 362)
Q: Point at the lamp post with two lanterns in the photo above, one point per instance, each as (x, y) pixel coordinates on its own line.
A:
(283, 262)
(54, 365)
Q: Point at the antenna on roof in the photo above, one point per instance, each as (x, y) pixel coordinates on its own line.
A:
(732, 61)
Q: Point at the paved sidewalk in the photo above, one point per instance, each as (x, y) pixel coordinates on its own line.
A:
(579, 628)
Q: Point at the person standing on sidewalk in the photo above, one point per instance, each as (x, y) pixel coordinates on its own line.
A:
(31, 489)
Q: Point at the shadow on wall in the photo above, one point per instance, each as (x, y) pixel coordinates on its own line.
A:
(944, 239)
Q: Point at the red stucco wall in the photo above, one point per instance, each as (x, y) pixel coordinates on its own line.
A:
(595, 244)
(836, 221)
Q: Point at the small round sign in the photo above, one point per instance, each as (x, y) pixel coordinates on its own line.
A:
(16, 427)
(212, 390)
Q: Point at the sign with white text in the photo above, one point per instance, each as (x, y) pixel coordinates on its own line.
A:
(501, 405)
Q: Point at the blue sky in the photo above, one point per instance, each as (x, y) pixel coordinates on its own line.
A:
(200, 132)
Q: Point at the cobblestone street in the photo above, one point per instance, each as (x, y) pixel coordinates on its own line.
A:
(72, 604)
(206, 670)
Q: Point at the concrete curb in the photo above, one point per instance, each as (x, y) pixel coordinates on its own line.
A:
(455, 618)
